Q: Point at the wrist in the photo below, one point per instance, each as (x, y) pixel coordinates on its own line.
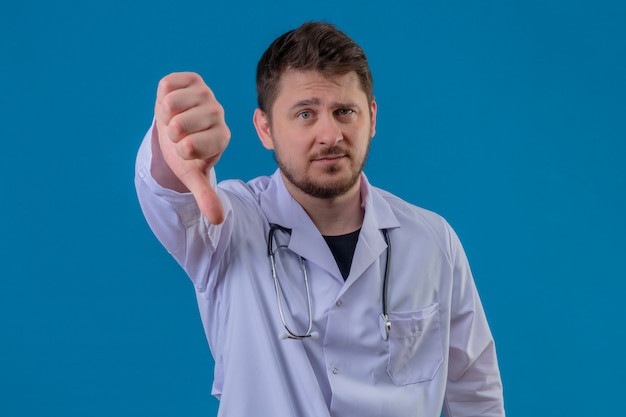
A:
(160, 170)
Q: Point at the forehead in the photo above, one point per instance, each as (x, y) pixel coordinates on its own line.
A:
(297, 85)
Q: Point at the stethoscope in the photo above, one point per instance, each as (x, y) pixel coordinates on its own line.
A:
(385, 323)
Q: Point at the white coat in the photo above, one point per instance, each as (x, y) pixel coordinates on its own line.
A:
(440, 355)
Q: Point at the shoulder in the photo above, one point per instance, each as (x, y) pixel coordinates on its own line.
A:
(241, 201)
(250, 190)
(410, 213)
(420, 222)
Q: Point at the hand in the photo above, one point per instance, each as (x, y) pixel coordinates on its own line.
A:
(192, 135)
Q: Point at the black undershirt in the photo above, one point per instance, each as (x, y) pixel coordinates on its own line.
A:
(343, 247)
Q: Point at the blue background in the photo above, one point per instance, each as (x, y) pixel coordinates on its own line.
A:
(508, 118)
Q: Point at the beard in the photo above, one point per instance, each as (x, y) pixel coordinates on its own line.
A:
(329, 189)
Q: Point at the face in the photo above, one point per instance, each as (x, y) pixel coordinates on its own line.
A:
(320, 130)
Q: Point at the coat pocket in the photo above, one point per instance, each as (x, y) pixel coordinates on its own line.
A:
(415, 352)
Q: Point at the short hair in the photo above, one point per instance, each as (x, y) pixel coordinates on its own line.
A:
(313, 46)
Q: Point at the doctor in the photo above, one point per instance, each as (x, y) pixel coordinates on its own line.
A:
(320, 294)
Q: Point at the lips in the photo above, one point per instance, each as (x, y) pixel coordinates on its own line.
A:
(330, 155)
(330, 158)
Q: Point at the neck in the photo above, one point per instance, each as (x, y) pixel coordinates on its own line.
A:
(332, 216)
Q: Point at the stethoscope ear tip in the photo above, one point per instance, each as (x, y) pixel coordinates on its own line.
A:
(315, 335)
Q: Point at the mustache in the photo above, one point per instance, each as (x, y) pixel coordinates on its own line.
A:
(331, 151)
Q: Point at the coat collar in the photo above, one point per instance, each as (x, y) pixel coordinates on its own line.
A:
(282, 209)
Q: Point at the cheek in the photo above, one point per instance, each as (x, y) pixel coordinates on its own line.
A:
(285, 152)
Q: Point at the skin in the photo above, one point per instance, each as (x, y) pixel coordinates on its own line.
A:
(191, 136)
(320, 129)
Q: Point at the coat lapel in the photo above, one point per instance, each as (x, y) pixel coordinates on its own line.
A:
(306, 241)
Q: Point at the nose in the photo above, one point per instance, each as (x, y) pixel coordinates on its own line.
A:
(329, 132)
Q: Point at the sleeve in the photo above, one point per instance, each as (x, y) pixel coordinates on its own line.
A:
(176, 220)
(474, 385)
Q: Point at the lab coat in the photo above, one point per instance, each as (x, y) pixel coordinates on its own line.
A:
(440, 354)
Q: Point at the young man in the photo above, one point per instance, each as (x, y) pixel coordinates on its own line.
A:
(307, 309)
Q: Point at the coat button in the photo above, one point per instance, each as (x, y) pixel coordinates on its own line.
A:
(335, 371)
(339, 303)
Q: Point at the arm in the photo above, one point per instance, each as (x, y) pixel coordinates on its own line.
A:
(174, 213)
(192, 134)
(474, 386)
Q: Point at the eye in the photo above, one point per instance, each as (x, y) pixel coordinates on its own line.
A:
(305, 115)
(345, 112)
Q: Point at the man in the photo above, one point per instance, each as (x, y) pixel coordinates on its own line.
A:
(306, 308)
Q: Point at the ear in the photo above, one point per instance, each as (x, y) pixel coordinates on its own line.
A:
(262, 125)
(373, 113)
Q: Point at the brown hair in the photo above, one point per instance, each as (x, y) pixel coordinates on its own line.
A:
(313, 46)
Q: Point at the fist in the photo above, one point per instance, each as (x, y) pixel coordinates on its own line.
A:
(189, 115)
(192, 135)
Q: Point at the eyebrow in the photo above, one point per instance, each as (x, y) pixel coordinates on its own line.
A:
(305, 103)
(317, 102)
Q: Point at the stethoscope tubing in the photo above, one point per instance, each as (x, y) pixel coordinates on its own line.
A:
(291, 334)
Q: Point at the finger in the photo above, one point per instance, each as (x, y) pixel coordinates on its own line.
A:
(207, 199)
(210, 205)
(176, 102)
(194, 120)
(181, 100)
(205, 145)
(176, 81)
(177, 92)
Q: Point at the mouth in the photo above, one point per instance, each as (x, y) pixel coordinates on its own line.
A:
(328, 158)
(330, 155)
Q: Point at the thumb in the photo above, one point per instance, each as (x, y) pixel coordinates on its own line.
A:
(207, 199)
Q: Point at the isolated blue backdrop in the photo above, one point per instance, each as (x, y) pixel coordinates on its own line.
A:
(508, 118)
